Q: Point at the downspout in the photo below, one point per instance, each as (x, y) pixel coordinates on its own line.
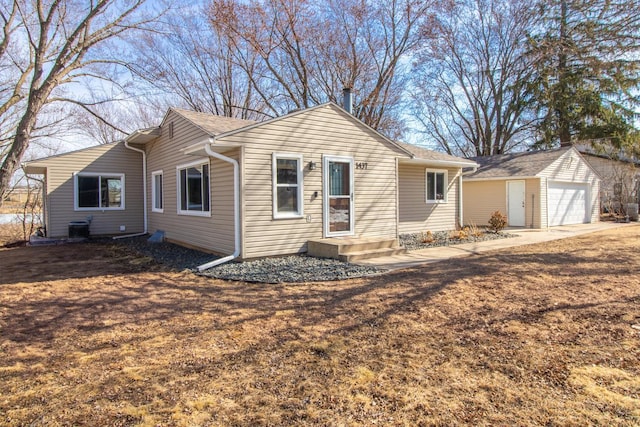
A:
(144, 192)
(236, 207)
(460, 214)
(45, 206)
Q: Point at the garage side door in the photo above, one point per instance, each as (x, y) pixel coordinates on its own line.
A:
(568, 203)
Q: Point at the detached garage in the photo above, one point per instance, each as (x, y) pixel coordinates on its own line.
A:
(536, 189)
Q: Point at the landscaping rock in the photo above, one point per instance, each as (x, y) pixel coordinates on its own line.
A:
(442, 238)
(295, 268)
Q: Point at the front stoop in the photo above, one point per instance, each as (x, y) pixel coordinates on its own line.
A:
(352, 249)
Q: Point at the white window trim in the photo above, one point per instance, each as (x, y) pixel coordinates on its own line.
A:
(76, 207)
(274, 182)
(153, 191)
(202, 161)
(446, 186)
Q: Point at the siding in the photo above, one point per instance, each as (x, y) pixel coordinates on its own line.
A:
(415, 214)
(312, 134)
(533, 208)
(481, 199)
(214, 233)
(109, 158)
(571, 167)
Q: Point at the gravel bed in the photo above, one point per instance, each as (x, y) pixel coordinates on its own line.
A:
(294, 268)
(441, 238)
(169, 254)
(288, 269)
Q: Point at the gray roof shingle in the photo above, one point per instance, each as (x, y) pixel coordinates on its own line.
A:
(212, 124)
(423, 153)
(529, 163)
(216, 125)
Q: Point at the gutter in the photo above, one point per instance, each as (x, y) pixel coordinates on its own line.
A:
(441, 163)
(236, 206)
(144, 191)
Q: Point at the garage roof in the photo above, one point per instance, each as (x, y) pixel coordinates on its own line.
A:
(524, 164)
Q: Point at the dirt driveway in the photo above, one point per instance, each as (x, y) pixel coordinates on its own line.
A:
(536, 335)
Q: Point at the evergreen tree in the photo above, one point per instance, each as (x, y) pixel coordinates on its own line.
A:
(586, 53)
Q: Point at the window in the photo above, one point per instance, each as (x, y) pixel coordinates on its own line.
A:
(436, 186)
(287, 185)
(193, 189)
(98, 191)
(157, 202)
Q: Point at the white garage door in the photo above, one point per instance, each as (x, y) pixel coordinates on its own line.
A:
(568, 203)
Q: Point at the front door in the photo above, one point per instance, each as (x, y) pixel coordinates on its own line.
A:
(515, 203)
(338, 196)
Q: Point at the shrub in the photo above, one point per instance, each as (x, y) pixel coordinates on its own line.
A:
(497, 222)
(426, 237)
(474, 230)
(460, 234)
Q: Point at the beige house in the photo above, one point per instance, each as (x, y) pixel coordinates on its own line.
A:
(102, 183)
(253, 189)
(620, 177)
(537, 189)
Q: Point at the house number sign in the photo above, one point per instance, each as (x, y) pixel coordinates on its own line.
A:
(362, 165)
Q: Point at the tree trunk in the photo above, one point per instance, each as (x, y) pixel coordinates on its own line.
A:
(20, 143)
(564, 131)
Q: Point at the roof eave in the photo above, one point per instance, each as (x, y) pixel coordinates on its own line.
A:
(34, 169)
(143, 136)
(444, 163)
(501, 178)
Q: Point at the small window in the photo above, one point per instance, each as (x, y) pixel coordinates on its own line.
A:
(193, 189)
(157, 192)
(287, 186)
(436, 186)
(98, 191)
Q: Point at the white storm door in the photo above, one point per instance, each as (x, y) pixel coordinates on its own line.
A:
(515, 203)
(338, 196)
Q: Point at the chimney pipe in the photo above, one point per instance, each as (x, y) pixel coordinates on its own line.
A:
(347, 100)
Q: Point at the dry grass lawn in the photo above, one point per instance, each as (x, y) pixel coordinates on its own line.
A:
(538, 335)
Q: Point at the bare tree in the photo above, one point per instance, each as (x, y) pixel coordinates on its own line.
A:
(45, 48)
(104, 122)
(31, 216)
(300, 53)
(618, 169)
(471, 82)
(192, 63)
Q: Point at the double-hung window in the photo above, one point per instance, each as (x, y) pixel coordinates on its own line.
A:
(287, 185)
(437, 182)
(97, 191)
(193, 188)
(157, 192)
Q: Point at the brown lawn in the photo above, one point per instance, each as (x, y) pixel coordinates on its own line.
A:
(539, 335)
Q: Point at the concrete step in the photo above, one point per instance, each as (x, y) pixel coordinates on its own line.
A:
(353, 248)
(371, 253)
